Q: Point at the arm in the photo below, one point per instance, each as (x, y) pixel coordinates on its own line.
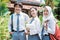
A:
(26, 18)
(26, 21)
(9, 25)
(51, 27)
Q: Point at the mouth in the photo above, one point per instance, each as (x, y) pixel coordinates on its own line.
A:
(17, 9)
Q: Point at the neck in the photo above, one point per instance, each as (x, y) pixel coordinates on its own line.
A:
(17, 12)
(34, 16)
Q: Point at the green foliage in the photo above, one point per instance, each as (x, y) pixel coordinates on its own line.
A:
(4, 34)
(59, 23)
(56, 2)
(40, 17)
(57, 11)
(5, 1)
(3, 8)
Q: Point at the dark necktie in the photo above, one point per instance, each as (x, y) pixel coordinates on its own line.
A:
(18, 22)
(32, 20)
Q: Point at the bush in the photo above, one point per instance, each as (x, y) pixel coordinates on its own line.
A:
(4, 34)
(57, 11)
(3, 8)
(59, 23)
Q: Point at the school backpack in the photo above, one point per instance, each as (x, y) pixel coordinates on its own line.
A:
(56, 36)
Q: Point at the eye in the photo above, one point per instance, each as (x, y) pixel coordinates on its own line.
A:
(32, 10)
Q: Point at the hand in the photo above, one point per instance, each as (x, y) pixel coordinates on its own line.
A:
(11, 32)
(45, 26)
(28, 29)
(27, 33)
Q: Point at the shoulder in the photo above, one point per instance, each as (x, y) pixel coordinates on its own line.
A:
(24, 14)
(11, 15)
(52, 21)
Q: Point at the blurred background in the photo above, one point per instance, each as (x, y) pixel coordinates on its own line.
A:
(7, 8)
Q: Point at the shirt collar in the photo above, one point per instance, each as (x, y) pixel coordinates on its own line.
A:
(16, 13)
(35, 17)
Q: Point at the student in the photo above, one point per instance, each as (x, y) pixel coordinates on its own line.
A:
(33, 27)
(49, 23)
(19, 19)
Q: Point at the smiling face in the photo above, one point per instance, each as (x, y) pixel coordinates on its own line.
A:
(17, 9)
(33, 12)
(45, 12)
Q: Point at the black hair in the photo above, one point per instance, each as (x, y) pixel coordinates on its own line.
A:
(34, 8)
(20, 5)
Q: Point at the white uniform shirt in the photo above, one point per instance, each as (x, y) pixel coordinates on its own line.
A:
(50, 27)
(35, 27)
(22, 19)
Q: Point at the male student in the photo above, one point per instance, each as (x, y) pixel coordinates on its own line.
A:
(17, 23)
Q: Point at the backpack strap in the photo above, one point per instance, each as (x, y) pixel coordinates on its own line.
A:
(11, 23)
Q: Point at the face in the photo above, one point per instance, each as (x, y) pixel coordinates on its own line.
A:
(33, 12)
(17, 9)
(45, 12)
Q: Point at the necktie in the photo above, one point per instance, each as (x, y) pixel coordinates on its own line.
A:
(17, 22)
(32, 20)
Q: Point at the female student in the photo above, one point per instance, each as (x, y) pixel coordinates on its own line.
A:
(33, 27)
(48, 23)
